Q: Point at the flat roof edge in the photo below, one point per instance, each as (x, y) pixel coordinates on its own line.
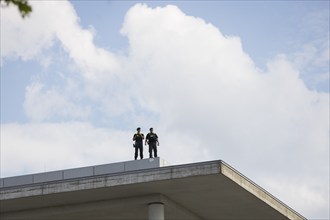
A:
(259, 192)
(113, 169)
(110, 180)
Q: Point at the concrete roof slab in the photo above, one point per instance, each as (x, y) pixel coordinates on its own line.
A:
(208, 190)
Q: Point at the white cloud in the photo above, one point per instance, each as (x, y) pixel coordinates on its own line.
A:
(54, 20)
(78, 42)
(199, 90)
(304, 194)
(312, 56)
(52, 146)
(23, 38)
(43, 104)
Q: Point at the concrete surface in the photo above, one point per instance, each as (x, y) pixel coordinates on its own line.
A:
(208, 190)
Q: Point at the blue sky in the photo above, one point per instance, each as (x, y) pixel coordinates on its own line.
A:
(242, 81)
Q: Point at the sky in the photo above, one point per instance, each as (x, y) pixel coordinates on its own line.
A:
(246, 82)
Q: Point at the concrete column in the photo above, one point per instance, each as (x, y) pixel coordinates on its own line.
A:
(156, 211)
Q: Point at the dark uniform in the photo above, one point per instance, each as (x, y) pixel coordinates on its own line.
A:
(152, 140)
(138, 145)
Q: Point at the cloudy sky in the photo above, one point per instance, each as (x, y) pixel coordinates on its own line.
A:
(244, 81)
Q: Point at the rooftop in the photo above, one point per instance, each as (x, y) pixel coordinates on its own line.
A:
(207, 190)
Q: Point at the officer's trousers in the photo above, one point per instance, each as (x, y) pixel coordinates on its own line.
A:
(138, 147)
(152, 147)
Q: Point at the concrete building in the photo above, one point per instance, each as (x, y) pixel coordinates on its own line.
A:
(142, 189)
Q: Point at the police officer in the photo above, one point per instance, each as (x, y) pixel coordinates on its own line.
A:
(138, 145)
(152, 140)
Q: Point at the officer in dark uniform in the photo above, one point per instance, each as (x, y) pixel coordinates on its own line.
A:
(138, 145)
(152, 140)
